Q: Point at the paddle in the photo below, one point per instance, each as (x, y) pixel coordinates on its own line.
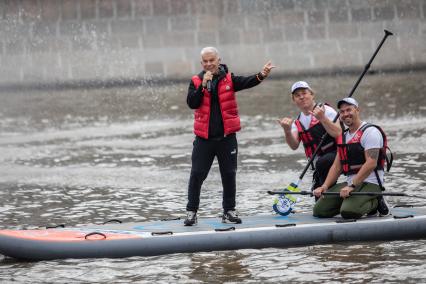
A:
(282, 204)
(310, 193)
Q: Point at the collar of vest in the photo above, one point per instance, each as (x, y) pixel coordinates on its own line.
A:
(223, 70)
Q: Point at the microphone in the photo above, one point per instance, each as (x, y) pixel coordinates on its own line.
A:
(209, 86)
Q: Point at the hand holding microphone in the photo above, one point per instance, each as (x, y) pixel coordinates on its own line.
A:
(207, 81)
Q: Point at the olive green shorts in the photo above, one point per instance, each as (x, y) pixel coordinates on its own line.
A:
(352, 207)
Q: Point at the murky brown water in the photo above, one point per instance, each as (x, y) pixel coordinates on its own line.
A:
(82, 156)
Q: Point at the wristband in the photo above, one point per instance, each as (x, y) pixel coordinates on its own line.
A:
(351, 185)
(260, 77)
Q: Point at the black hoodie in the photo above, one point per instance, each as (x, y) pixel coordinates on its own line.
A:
(195, 97)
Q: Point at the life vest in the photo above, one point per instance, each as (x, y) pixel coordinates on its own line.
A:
(228, 108)
(352, 155)
(311, 137)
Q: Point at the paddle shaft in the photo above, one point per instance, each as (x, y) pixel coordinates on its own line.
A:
(310, 193)
(387, 33)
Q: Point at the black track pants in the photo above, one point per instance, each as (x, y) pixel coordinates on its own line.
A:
(203, 154)
(322, 166)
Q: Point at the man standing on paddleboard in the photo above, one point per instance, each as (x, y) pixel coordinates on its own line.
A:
(361, 156)
(313, 121)
(211, 94)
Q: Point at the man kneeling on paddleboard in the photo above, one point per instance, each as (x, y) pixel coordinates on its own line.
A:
(309, 127)
(361, 155)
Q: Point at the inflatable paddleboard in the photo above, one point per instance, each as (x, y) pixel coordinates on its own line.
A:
(114, 240)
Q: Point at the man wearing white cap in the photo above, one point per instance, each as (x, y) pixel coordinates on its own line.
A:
(361, 156)
(313, 121)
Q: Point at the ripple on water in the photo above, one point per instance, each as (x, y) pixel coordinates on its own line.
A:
(99, 161)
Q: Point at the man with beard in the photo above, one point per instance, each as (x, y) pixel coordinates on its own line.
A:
(211, 94)
(361, 155)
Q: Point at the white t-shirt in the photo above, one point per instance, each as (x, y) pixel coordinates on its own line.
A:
(305, 120)
(371, 138)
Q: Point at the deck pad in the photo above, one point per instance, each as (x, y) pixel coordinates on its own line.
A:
(258, 221)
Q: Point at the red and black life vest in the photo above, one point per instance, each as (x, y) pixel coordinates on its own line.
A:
(311, 137)
(352, 155)
(228, 107)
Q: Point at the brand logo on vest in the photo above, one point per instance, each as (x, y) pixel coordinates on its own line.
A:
(227, 88)
(233, 152)
(356, 137)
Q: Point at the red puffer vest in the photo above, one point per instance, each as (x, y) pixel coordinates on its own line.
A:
(228, 107)
(352, 153)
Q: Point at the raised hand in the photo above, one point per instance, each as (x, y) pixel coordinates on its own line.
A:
(285, 123)
(318, 112)
(267, 69)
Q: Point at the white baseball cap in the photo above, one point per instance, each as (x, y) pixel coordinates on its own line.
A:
(349, 101)
(300, 84)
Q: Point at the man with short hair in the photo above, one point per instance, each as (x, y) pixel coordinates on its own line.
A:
(311, 124)
(211, 94)
(361, 156)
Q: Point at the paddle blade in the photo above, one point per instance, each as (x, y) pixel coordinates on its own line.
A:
(284, 203)
(282, 206)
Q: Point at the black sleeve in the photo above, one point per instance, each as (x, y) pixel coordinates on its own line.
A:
(195, 96)
(241, 82)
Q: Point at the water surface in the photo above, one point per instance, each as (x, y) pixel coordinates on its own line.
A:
(85, 156)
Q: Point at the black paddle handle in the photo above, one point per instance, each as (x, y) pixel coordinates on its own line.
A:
(387, 33)
(310, 193)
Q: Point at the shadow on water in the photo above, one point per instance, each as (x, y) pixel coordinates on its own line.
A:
(218, 267)
(86, 156)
